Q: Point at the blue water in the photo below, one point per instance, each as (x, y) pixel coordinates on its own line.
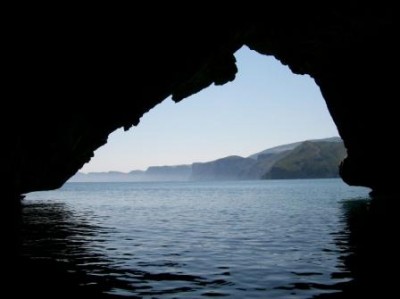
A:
(248, 239)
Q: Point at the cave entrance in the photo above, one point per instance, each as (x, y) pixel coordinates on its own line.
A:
(197, 239)
(265, 106)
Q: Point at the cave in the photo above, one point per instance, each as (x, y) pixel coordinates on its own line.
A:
(74, 81)
(75, 76)
(207, 125)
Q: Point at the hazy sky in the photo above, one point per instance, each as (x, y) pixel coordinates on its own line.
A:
(265, 106)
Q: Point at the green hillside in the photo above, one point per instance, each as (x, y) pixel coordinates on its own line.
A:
(316, 159)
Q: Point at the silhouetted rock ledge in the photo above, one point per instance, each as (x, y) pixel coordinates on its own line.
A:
(76, 77)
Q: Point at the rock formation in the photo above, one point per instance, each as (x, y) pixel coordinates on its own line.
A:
(73, 78)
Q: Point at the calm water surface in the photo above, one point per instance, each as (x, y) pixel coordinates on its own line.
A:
(250, 239)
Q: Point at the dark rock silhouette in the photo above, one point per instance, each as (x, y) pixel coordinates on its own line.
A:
(73, 78)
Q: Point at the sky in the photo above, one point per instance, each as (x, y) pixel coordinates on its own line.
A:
(265, 106)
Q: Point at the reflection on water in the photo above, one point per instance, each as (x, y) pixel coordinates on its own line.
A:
(69, 253)
(369, 249)
(57, 257)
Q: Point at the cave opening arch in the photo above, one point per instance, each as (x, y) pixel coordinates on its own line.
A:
(266, 105)
(349, 51)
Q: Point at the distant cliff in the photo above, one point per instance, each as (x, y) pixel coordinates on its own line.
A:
(153, 173)
(229, 168)
(309, 160)
(306, 159)
(172, 173)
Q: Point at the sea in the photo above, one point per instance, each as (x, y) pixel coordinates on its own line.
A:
(231, 239)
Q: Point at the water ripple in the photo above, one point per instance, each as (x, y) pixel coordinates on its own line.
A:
(190, 240)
